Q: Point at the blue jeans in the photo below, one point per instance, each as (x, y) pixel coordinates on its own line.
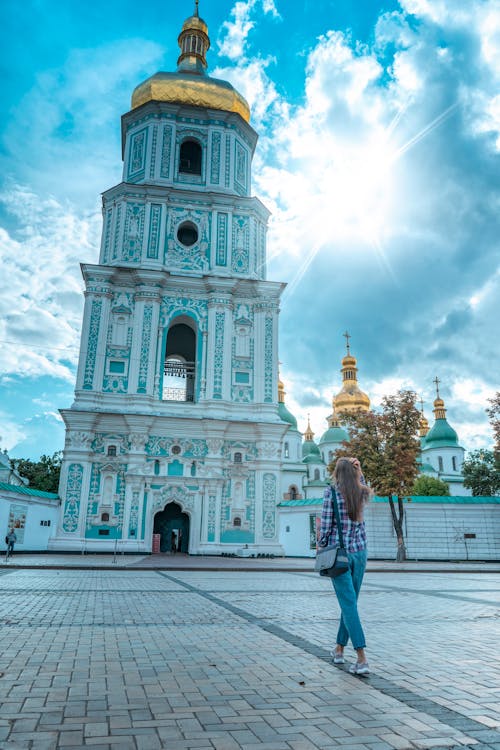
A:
(347, 588)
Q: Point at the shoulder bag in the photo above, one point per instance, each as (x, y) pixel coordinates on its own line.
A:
(333, 561)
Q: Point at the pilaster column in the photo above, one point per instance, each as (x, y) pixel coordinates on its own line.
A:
(219, 347)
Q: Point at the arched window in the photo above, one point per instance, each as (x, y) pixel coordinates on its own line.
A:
(293, 493)
(316, 474)
(440, 463)
(237, 521)
(111, 450)
(238, 458)
(190, 157)
(287, 451)
(454, 463)
(180, 363)
(104, 517)
(156, 467)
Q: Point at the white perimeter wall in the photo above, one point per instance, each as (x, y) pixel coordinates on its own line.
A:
(36, 537)
(433, 531)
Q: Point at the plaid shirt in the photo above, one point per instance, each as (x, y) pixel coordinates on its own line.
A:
(354, 532)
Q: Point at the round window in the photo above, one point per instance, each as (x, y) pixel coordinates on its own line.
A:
(187, 233)
(176, 449)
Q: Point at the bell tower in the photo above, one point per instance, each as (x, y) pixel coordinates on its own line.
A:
(176, 396)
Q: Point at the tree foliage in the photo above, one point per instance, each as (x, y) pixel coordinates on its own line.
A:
(481, 470)
(42, 474)
(430, 486)
(387, 446)
(493, 413)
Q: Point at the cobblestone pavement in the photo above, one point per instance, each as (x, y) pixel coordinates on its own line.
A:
(226, 660)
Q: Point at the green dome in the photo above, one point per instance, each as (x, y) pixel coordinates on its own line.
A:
(309, 448)
(441, 435)
(312, 458)
(334, 435)
(286, 415)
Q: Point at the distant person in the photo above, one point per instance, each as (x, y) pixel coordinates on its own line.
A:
(179, 541)
(173, 542)
(10, 540)
(352, 495)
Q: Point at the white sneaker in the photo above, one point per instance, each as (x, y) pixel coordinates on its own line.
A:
(337, 657)
(361, 668)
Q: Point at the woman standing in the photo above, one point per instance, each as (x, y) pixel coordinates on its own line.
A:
(352, 495)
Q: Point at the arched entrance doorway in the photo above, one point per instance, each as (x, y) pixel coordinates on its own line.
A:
(169, 521)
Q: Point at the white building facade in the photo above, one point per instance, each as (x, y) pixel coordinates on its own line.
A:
(175, 437)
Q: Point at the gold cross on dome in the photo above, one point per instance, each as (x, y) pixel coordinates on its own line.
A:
(347, 337)
(437, 382)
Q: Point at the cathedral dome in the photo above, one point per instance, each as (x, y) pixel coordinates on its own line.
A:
(191, 85)
(350, 398)
(283, 412)
(441, 434)
(334, 435)
(193, 89)
(309, 447)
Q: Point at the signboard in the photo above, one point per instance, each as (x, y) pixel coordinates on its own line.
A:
(17, 520)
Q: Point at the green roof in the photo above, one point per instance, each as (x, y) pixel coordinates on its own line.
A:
(309, 447)
(450, 500)
(441, 435)
(297, 503)
(22, 490)
(286, 415)
(334, 435)
(312, 458)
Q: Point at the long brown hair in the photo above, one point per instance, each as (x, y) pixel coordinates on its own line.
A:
(348, 479)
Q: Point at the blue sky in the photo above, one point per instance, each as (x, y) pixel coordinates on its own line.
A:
(379, 156)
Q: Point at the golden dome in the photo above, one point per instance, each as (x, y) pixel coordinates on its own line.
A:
(190, 85)
(349, 361)
(423, 427)
(194, 23)
(281, 392)
(191, 89)
(351, 398)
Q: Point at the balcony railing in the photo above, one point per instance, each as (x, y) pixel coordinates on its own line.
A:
(178, 381)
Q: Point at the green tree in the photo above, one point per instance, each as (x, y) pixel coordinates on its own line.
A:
(386, 444)
(493, 413)
(42, 474)
(481, 472)
(429, 486)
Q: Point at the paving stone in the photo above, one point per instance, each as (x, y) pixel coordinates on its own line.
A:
(216, 660)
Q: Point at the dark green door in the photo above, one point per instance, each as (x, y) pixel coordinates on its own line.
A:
(173, 526)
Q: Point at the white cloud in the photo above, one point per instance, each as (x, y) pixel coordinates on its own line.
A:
(10, 434)
(41, 300)
(234, 34)
(74, 137)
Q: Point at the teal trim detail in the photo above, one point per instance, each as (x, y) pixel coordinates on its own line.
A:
(117, 367)
(162, 360)
(237, 536)
(431, 499)
(242, 377)
(175, 469)
(143, 523)
(93, 533)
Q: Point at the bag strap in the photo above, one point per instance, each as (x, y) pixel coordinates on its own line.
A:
(337, 515)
